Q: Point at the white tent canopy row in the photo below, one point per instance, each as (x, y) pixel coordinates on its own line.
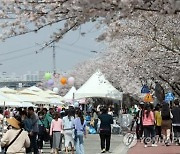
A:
(41, 93)
(98, 86)
(16, 104)
(32, 95)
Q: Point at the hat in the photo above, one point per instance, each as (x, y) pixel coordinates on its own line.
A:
(13, 122)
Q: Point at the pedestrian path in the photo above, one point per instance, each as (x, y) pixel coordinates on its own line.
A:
(160, 149)
(92, 145)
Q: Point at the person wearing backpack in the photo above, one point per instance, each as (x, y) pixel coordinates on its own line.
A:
(15, 140)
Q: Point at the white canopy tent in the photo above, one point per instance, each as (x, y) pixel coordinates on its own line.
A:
(11, 102)
(27, 104)
(98, 86)
(3, 97)
(26, 98)
(8, 90)
(40, 93)
(55, 101)
(34, 88)
(51, 92)
(70, 94)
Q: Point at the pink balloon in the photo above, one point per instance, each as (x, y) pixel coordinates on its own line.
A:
(71, 80)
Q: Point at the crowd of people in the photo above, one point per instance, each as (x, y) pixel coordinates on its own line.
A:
(28, 129)
(44, 125)
(159, 124)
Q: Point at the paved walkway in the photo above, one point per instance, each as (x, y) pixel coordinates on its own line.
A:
(160, 149)
(92, 145)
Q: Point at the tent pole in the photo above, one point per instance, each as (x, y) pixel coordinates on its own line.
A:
(3, 118)
(73, 98)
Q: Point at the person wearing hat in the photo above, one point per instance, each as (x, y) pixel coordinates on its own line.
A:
(15, 140)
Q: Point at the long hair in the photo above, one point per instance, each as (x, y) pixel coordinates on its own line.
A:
(56, 116)
(147, 110)
(165, 112)
(80, 115)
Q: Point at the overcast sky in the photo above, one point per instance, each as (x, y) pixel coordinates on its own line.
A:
(17, 55)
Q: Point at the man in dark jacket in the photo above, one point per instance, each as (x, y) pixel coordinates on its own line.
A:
(176, 121)
(105, 130)
(34, 129)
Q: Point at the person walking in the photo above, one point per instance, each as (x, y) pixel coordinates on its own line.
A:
(27, 126)
(176, 122)
(34, 129)
(41, 133)
(68, 130)
(95, 118)
(138, 120)
(166, 123)
(79, 131)
(55, 131)
(158, 122)
(48, 117)
(15, 140)
(148, 125)
(105, 130)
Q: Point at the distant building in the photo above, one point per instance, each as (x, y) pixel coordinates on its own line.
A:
(29, 76)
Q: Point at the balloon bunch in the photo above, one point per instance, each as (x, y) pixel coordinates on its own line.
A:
(69, 81)
(48, 78)
(63, 80)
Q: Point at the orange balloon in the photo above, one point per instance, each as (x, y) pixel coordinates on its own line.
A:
(63, 80)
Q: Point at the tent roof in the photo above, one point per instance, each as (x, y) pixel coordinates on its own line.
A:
(27, 104)
(34, 98)
(7, 90)
(50, 92)
(28, 91)
(98, 86)
(10, 104)
(34, 88)
(3, 97)
(69, 95)
(55, 101)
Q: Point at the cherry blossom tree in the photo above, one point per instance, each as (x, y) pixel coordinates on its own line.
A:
(24, 16)
(141, 51)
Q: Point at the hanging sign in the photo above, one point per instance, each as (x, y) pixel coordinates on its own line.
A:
(145, 89)
(148, 98)
(169, 97)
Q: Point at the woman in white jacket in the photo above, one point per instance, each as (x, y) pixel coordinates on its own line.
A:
(22, 141)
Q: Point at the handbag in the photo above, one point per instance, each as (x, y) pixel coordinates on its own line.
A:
(6, 148)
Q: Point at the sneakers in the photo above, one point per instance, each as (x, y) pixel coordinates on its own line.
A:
(154, 145)
(145, 146)
(103, 151)
(40, 151)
